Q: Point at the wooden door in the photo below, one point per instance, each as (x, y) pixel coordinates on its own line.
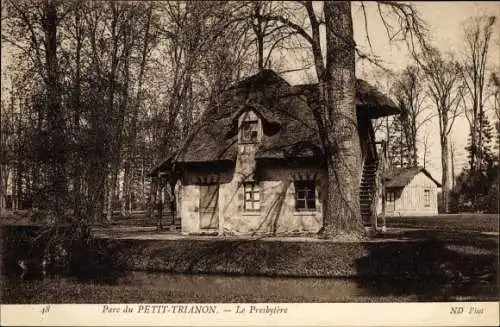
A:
(209, 211)
(391, 203)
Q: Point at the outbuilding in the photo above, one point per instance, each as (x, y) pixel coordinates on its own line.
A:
(410, 192)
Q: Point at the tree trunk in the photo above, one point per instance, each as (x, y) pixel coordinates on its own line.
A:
(343, 151)
(4, 179)
(77, 168)
(130, 161)
(259, 34)
(19, 185)
(127, 180)
(453, 166)
(55, 117)
(445, 179)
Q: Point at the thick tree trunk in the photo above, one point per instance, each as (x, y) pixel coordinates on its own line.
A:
(445, 190)
(343, 151)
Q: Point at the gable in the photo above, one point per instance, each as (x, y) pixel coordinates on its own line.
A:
(422, 180)
(401, 177)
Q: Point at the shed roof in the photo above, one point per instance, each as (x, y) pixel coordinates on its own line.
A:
(400, 177)
(289, 126)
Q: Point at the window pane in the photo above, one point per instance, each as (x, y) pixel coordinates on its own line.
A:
(252, 196)
(249, 131)
(300, 204)
(305, 195)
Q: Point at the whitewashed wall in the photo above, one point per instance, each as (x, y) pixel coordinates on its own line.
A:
(277, 207)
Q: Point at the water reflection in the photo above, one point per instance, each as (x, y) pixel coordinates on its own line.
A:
(149, 287)
(309, 289)
(137, 287)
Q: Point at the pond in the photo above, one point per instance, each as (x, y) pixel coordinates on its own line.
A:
(150, 287)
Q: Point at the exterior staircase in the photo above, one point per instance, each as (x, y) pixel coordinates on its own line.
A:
(367, 190)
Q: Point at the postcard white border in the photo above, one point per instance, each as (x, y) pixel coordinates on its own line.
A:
(306, 314)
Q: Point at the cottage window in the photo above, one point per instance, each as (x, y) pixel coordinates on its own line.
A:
(305, 195)
(252, 196)
(427, 198)
(249, 131)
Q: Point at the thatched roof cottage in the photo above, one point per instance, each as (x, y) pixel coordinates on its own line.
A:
(254, 164)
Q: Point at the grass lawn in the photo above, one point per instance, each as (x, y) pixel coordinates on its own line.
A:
(451, 222)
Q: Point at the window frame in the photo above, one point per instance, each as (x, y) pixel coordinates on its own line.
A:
(427, 198)
(254, 128)
(253, 189)
(308, 189)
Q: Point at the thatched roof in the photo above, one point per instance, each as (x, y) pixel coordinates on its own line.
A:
(370, 102)
(289, 126)
(401, 177)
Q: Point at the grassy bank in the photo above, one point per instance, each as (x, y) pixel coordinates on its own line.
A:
(452, 222)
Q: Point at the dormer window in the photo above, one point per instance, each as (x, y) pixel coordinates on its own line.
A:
(249, 131)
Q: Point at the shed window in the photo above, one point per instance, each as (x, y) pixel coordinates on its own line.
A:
(249, 131)
(427, 198)
(252, 197)
(305, 195)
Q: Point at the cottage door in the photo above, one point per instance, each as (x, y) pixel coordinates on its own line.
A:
(209, 213)
(391, 203)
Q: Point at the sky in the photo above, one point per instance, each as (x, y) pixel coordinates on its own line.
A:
(445, 23)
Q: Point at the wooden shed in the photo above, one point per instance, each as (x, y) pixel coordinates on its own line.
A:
(410, 192)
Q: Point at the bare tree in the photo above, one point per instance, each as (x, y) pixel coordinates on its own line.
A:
(445, 88)
(410, 94)
(40, 23)
(478, 31)
(427, 146)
